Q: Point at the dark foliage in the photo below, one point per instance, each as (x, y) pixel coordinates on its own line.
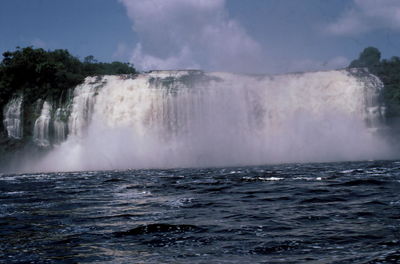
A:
(389, 73)
(369, 57)
(41, 74)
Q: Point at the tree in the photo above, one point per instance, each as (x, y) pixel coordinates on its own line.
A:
(89, 59)
(39, 74)
(369, 57)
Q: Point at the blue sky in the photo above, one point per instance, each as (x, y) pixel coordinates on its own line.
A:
(271, 36)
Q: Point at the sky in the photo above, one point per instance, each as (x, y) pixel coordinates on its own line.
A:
(247, 36)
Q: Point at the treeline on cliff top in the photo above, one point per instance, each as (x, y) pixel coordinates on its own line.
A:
(38, 73)
(388, 70)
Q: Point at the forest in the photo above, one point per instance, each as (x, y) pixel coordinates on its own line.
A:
(38, 73)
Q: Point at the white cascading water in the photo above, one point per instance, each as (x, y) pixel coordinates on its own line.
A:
(41, 130)
(60, 125)
(12, 115)
(191, 118)
(82, 105)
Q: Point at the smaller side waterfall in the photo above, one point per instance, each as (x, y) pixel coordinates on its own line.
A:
(60, 126)
(13, 117)
(42, 126)
(375, 109)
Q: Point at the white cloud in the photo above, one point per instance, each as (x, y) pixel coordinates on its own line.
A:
(367, 15)
(190, 34)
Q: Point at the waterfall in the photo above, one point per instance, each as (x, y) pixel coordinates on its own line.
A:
(374, 110)
(82, 105)
(41, 135)
(60, 125)
(192, 118)
(13, 117)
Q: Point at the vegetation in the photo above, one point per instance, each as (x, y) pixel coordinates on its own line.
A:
(388, 70)
(41, 74)
(369, 57)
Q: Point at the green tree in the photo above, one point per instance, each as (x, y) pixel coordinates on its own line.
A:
(89, 59)
(369, 57)
(39, 73)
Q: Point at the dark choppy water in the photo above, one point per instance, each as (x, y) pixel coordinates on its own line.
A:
(298, 213)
